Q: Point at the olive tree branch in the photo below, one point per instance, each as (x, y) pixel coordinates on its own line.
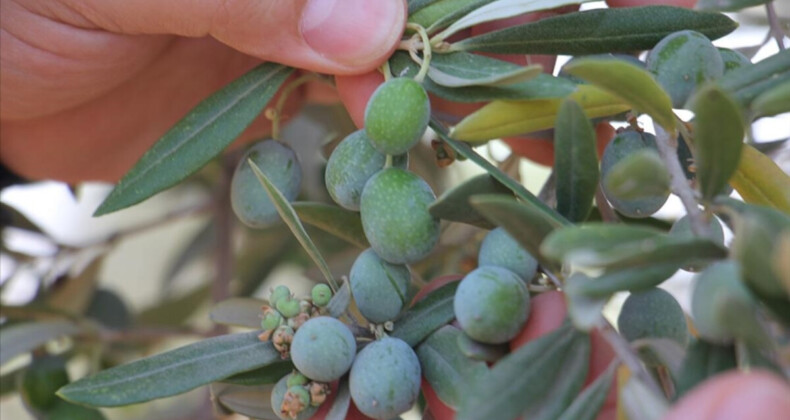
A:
(775, 28)
(667, 149)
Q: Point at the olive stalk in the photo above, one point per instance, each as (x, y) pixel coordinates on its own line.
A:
(426, 51)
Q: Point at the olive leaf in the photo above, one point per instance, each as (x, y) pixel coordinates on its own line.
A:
(575, 163)
(598, 31)
(453, 204)
(584, 311)
(640, 402)
(538, 381)
(440, 13)
(446, 368)
(703, 360)
(268, 374)
(587, 405)
(508, 118)
(463, 69)
(251, 401)
(592, 238)
(718, 138)
(242, 312)
(759, 180)
(542, 86)
(426, 316)
(344, 224)
(772, 102)
(631, 279)
(631, 83)
(23, 337)
(291, 218)
(748, 82)
(198, 137)
(727, 5)
(173, 372)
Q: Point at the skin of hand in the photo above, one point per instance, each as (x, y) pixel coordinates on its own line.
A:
(88, 85)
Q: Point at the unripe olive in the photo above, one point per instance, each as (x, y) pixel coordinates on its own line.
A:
(491, 304)
(397, 115)
(500, 249)
(321, 295)
(395, 217)
(249, 200)
(289, 307)
(271, 320)
(277, 398)
(379, 288)
(323, 349)
(682, 228)
(385, 378)
(682, 62)
(279, 292)
(350, 166)
(296, 378)
(652, 313)
(624, 144)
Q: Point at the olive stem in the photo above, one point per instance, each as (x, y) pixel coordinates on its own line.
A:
(775, 26)
(276, 113)
(388, 161)
(385, 70)
(667, 149)
(223, 225)
(626, 354)
(426, 51)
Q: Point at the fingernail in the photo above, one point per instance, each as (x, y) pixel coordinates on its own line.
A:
(353, 32)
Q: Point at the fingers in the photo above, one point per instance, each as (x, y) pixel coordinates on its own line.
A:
(733, 396)
(327, 36)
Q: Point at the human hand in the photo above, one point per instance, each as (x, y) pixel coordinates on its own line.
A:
(87, 86)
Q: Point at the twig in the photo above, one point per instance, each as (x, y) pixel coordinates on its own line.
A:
(627, 355)
(667, 148)
(607, 212)
(775, 26)
(554, 280)
(223, 256)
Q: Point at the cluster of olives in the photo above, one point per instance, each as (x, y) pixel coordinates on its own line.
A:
(284, 315)
(492, 302)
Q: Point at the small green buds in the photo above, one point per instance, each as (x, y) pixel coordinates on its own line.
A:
(271, 319)
(279, 292)
(289, 307)
(321, 295)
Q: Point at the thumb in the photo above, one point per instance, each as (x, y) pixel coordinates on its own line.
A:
(327, 36)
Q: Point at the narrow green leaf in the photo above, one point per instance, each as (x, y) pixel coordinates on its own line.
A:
(748, 82)
(629, 82)
(759, 180)
(266, 375)
(525, 223)
(631, 279)
(339, 303)
(756, 233)
(463, 69)
(727, 5)
(773, 102)
(291, 219)
(587, 405)
(598, 31)
(453, 204)
(240, 312)
(198, 137)
(575, 163)
(538, 380)
(427, 315)
(509, 118)
(23, 337)
(440, 13)
(503, 9)
(446, 368)
(639, 175)
(518, 189)
(718, 137)
(250, 401)
(703, 360)
(172, 372)
(594, 237)
(542, 86)
(417, 5)
(341, 402)
(345, 224)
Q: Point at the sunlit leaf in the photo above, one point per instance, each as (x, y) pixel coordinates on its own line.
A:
(291, 218)
(632, 84)
(453, 204)
(598, 31)
(446, 368)
(509, 118)
(718, 138)
(759, 180)
(172, 372)
(427, 315)
(575, 163)
(198, 137)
